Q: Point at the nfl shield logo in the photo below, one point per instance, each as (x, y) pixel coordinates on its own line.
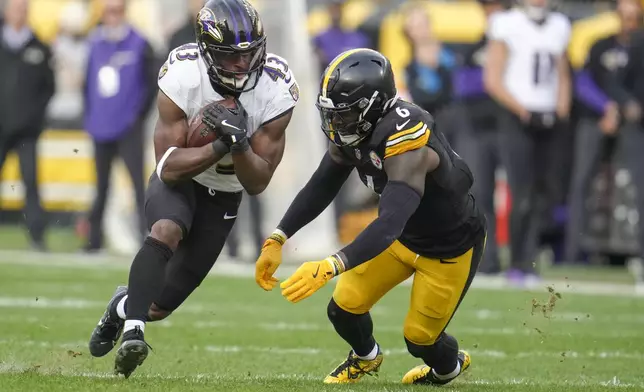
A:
(358, 154)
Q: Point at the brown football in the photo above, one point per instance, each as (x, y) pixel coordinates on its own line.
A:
(198, 133)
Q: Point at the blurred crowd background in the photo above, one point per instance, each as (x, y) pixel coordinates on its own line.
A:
(65, 166)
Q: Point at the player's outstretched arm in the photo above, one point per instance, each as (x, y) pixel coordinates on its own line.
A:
(402, 194)
(255, 166)
(176, 162)
(309, 203)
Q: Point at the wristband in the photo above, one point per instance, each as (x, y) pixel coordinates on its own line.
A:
(278, 236)
(240, 147)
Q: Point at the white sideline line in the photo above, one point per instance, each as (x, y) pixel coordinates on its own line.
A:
(77, 303)
(6, 368)
(233, 349)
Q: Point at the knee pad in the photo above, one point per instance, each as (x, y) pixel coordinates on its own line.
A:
(349, 299)
(157, 313)
(172, 297)
(443, 351)
(419, 334)
(338, 314)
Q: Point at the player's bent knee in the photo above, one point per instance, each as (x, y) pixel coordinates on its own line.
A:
(168, 232)
(351, 300)
(419, 334)
(337, 313)
(155, 313)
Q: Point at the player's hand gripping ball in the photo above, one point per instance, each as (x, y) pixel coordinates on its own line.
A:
(230, 124)
(199, 132)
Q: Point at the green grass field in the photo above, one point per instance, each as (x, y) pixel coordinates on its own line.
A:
(233, 336)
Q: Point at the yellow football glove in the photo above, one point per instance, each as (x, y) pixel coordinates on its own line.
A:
(269, 260)
(310, 277)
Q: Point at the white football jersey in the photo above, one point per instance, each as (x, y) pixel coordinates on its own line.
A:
(184, 79)
(531, 74)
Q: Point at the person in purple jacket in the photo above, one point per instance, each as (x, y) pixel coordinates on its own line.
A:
(337, 39)
(119, 90)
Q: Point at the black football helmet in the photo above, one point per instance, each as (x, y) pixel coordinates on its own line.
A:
(231, 39)
(355, 91)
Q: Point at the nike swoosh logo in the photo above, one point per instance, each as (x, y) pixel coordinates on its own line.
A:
(315, 275)
(225, 122)
(399, 127)
(447, 262)
(226, 216)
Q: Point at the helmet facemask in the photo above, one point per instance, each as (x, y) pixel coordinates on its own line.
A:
(238, 70)
(349, 124)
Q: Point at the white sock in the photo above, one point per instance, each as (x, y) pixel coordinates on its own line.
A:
(131, 324)
(451, 375)
(372, 355)
(120, 308)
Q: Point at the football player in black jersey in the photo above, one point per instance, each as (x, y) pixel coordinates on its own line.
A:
(428, 224)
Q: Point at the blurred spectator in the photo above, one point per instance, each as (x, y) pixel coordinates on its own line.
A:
(429, 73)
(372, 25)
(70, 55)
(120, 88)
(187, 32)
(526, 70)
(328, 45)
(336, 39)
(26, 86)
(606, 69)
(478, 137)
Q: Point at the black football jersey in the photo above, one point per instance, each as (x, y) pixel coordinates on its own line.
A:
(447, 222)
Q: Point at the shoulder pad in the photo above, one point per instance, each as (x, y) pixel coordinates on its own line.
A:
(404, 128)
(180, 74)
(279, 86)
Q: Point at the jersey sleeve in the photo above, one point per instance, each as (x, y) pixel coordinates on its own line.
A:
(412, 136)
(283, 89)
(179, 75)
(499, 27)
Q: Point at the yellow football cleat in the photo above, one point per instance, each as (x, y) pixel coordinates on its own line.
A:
(423, 374)
(353, 369)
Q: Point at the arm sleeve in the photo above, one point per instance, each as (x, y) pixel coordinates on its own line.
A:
(468, 82)
(316, 195)
(589, 93)
(398, 203)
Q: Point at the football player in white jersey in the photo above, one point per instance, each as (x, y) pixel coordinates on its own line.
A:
(193, 195)
(527, 72)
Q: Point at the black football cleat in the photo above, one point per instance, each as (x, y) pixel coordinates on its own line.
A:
(109, 328)
(132, 353)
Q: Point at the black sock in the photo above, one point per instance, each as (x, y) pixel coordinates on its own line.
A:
(440, 356)
(147, 275)
(355, 329)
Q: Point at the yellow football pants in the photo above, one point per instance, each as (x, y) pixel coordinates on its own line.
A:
(438, 287)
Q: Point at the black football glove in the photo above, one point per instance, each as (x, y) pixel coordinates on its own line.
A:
(229, 124)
